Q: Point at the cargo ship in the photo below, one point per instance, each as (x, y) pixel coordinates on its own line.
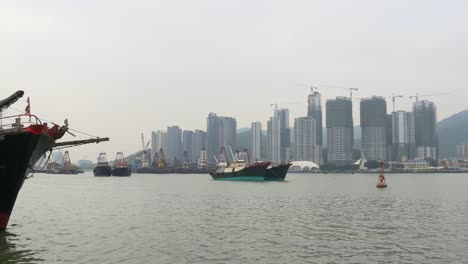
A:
(121, 168)
(24, 140)
(65, 168)
(102, 168)
(240, 170)
(277, 173)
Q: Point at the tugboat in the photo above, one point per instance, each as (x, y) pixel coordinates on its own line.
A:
(238, 170)
(277, 173)
(121, 168)
(102, 168)
(22, 144)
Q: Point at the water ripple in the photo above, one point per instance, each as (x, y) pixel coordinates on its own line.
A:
(192, 219)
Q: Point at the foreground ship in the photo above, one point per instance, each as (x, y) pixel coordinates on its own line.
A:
(239, 170)
(277, 173)
(21, 146)
(102, 168)
(121, 168)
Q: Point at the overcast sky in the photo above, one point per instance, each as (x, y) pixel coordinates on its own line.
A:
(119, 68)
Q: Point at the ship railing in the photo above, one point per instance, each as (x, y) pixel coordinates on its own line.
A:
(18, 122)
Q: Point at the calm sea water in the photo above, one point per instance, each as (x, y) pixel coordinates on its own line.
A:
(310, 218)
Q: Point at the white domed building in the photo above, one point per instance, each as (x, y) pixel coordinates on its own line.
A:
(303, 165)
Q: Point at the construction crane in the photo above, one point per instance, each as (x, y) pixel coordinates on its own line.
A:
(278, 104)
(351, 89)
(394, 97)
(425, 95)
(311, 86)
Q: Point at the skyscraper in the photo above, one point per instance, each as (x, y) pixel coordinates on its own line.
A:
(425, 119)
(158, 141)
(403, 136)
(256, 133)
(228, 132)
(462, 151)
(274, 139)
(221, 132)
(279, 136)
(373, 126)
(198, 143)
(305, 139)
(285, 134)
(314, 110)
(340, 134)
(212, 137)
(174, 144)
(187, 142)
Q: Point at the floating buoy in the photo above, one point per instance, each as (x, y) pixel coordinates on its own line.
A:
(381, 182)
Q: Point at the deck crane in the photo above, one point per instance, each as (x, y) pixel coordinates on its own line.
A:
(425, 95)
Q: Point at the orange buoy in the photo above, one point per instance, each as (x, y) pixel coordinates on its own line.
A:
(381, 182)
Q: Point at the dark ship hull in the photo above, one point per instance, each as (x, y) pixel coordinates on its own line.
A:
(19, 151)
(121, 172)
(172, 170)
(277, 173)
(254, 172)
(100, 171)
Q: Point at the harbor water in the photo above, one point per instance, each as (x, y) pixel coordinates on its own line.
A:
(310, 218)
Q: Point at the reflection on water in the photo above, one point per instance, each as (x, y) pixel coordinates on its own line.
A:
(11, 252)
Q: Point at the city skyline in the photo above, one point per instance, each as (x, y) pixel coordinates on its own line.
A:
(118, 69)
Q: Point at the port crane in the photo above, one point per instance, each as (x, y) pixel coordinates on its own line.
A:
(144, 158)
(425, 95)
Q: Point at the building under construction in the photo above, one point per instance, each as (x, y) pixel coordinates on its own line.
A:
(425, 118)
(340, 134)
(374, 126)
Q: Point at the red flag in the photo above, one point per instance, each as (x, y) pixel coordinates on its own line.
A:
(28, 107)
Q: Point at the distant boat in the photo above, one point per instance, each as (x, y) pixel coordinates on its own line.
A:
(160, 166)
(121, 168)
(277, 173)
(66, 166)
(102, 168)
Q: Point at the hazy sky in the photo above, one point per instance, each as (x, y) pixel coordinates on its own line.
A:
(119, 68)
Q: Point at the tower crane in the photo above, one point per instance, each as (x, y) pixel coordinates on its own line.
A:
(275, 105)
(351, 89)
(278, 104)
(425, 95)
(311, 87)
(394, 97)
